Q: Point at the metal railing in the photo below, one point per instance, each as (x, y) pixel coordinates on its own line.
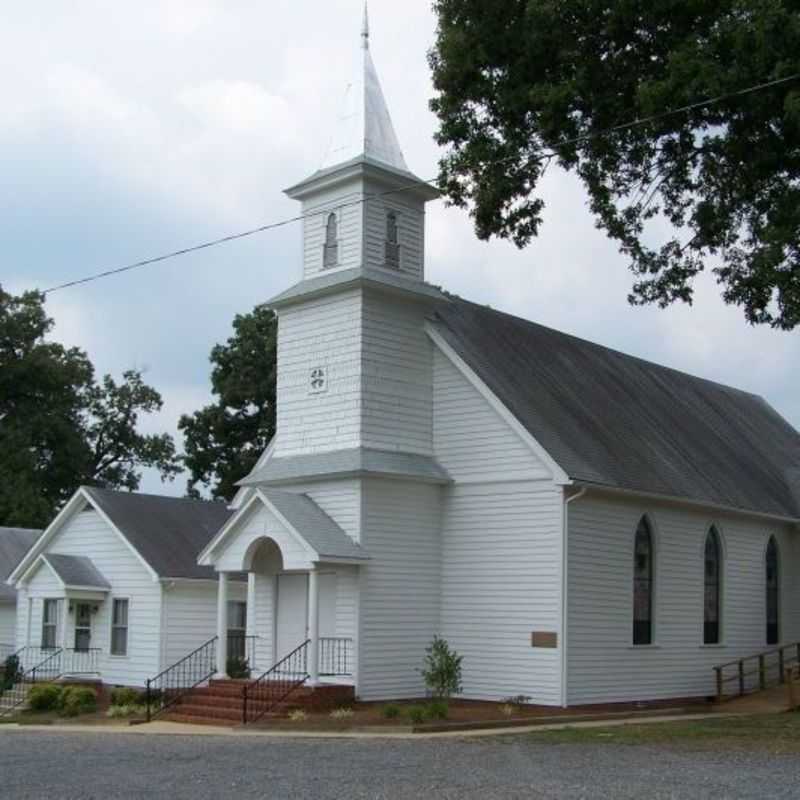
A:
(755, 672)
(335, 656)
(242, 648)
(6, 650)
(166, 688)
(12, 697)
(263, 694)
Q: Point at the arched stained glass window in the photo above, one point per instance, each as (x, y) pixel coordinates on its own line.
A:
(773, 594)
(330, 256)
(712, 572)
(643, 584)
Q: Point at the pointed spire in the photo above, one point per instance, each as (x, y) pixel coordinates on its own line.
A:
(365, 28)
(364, 128)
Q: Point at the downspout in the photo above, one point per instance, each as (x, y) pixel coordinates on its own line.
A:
(565, 590)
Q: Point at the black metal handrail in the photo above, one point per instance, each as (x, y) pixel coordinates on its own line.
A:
(6, 650)
(47, 669)
(262, 695)
(172, 683)
(335, 656)
(79, 661)
(242, 648)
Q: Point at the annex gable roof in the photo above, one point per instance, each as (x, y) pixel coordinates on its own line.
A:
(14, 544)
(77, 572)
(612, 420)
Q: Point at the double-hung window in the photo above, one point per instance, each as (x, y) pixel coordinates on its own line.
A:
(49, 624)
(119, 627)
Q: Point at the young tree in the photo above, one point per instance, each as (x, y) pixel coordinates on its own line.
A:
(224, 440)
(524, 82)
(59, 429)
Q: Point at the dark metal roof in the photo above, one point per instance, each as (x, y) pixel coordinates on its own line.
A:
(618, 421)
(314, 525)
(76, 571)
(14, 543)
(168, 532)
(356, 460)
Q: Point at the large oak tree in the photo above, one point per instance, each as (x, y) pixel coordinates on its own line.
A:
(525, 82)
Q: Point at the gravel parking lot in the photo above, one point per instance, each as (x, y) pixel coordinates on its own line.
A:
(80, 765)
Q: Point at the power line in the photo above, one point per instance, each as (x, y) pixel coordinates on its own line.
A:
(432, 182)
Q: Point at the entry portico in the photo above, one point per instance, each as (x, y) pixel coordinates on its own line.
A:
(302, 573)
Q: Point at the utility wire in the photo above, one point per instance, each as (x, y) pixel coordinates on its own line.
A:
(432, 182)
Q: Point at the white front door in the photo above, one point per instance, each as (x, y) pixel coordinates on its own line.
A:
(292, 613)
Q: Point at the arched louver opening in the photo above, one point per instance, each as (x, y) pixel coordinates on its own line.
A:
(713, 580)
(773, 593)
(330, 256)
(643, 584)
(392, 244)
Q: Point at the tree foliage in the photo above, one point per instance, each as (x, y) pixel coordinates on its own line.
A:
(223, 441)
(518, 82)
(441, 670)
(59, 428)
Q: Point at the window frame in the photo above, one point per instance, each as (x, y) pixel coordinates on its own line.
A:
(115, 626)
(391, 254)
(50, 602)
(636, 639)
(772, 543)
(713, 531)
(330, 244)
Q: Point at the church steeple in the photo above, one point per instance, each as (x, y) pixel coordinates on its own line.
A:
(364, 127)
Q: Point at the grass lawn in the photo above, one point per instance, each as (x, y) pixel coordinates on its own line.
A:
(775, 733)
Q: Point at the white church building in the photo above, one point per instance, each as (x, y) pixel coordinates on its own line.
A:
(582, 526)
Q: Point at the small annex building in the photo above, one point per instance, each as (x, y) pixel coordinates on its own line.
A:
(14, 543)
(113, 583)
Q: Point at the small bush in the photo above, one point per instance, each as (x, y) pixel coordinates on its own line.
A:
(120, 712)
(341, 713)
(77, 700)
(437, 710)
(391, 711)
(416, 714)
(44, 697)
(10, 673)
(237, 668)
(507, 710)
(298, 715)
(125, 696)
(442, 669)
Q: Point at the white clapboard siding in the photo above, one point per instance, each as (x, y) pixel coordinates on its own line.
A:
(471, 440)
(399, 586)
(8, 623)
(263, 622)
(343, 202)
(23, 622)
(603, 666)
(190, 615)
(320, 333)
(397, 403)
(87, 534)
(410, 214)
(501, 568)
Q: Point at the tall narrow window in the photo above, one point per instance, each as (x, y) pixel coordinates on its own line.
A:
(119, 628)
(392, 245)
(49, 623)
(643, 584)
(330, 256)
(773, 586)
(237, 629)
(712, 578)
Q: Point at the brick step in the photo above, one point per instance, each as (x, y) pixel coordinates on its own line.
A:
(212, 712)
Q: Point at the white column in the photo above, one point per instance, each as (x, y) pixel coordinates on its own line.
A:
(313, 626)
(64, 623)
(222, 625)
(252, 623)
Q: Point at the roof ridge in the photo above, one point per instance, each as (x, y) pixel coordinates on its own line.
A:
(170, 498)
(606, 348)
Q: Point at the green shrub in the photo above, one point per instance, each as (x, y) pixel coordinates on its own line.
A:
(118, 712)
(437, 710)
(442, 669)
(391, 711)
(125, 696)
(44, 697)
(416, 714)
(77, 700)
(11, 673)
(237, 667)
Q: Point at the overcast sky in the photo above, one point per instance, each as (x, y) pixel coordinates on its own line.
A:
(130, 129)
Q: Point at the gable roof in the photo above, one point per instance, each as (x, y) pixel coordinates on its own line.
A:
(313, 525)
(14, 543)
(76, 571)
(613, 420)
(167, 532)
